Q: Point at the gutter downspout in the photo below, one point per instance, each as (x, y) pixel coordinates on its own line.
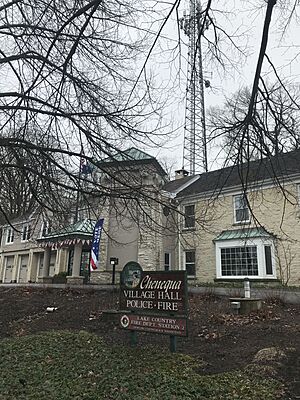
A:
(179, 242)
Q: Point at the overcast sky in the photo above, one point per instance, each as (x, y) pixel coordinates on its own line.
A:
(244, 21)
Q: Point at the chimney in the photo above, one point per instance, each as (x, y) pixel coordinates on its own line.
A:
(181, 173)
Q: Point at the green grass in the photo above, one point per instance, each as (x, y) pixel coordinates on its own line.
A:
(65, 365)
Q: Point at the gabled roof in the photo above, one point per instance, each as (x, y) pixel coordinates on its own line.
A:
(177, 185)
(22, 219)
(283, 166)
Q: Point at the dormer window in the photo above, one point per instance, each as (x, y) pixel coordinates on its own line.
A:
(241, 209)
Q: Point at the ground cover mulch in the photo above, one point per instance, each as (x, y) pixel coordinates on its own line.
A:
(220, 340)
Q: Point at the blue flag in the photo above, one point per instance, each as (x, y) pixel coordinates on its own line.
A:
(94, 262)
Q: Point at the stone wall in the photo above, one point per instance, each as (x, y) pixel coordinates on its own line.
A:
(278, 213)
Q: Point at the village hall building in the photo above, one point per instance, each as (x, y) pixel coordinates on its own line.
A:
(220, 226)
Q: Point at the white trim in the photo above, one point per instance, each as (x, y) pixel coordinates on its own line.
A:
(185, 262)
(236, 209)
(184, 227)
(259, 243)
(10, 235)
(182, 187)
(187, 184)
(45, 225)
(26, 231)
(236, 189)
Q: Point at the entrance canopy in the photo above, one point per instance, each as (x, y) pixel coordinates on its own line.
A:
(80, 232)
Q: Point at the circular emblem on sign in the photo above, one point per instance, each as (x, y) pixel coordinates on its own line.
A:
(124, 321)
(132, 274)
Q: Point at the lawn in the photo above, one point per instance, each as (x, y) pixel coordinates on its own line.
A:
(63, 365)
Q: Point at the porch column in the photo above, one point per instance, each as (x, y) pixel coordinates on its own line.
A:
(29, 266)
(61, 260)
(45, 278)
(2, 269)
(15, 269)
(76, 278)
(33, 266)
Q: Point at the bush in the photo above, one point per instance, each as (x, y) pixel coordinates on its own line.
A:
(61, 277)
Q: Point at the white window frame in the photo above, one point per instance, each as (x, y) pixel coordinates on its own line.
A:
(45, 228)
(192, 217)
(9, 235)
(235, 209)
(260, 244)
(26, 233)
(185, 261)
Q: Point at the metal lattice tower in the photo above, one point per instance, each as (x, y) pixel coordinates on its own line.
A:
(194, 148)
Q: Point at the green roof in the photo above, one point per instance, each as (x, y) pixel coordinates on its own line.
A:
(239, 234)
(131, 154)
(80, 229)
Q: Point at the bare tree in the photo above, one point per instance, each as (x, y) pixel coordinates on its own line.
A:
(69, 71)
(275, 128)
(77, 72)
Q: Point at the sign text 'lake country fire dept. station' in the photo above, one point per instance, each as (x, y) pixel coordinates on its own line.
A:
(153, 301)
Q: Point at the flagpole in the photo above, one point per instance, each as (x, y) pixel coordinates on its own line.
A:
(78, 191)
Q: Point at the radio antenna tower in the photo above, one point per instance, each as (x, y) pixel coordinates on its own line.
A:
(194, 147)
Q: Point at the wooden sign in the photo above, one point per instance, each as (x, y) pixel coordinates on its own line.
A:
(153, 291)
(167, 325)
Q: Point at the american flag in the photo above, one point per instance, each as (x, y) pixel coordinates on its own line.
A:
(85, 167)
(94, 262)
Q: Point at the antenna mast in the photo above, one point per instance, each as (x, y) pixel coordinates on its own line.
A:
(194, 148)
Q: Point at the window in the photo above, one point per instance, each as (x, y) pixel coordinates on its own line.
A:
(167, 262)
(45, 228)
(190, 263)
(26, 232)
(245, 258)
(241, 210)
(9, 235)
(268, 260)
(189, 216)
(239, 261)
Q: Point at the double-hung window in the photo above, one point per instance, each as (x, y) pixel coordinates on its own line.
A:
(45, 228)
(189, 216)
(9, 235)
(241, 209)
(26, 233)
(190, 265)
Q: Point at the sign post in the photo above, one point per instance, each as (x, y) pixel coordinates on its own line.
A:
(153, 301)
(113, 261)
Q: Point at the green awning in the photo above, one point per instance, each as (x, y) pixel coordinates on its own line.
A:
(80, 229)
(80, 232)
(239, 234)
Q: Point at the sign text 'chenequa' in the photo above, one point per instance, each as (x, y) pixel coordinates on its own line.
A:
(157, 291)
(153, 301)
